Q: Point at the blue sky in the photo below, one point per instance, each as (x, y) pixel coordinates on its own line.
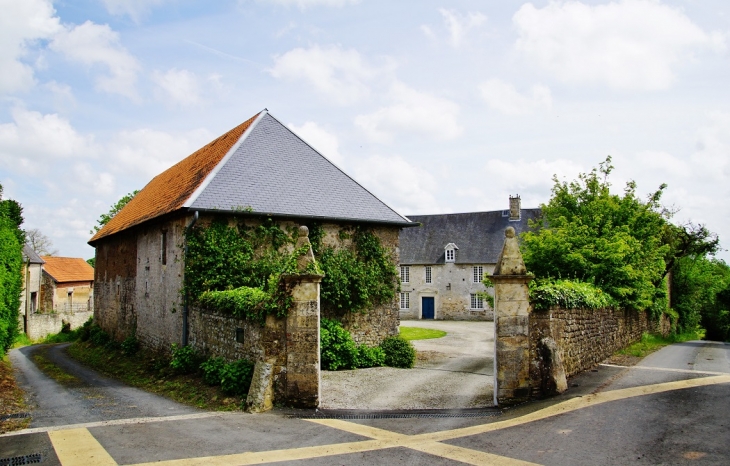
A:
(434, 106)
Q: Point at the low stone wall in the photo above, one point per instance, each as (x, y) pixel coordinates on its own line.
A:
(371, 327)
(585, 337)
(40, 325)
(214, 333)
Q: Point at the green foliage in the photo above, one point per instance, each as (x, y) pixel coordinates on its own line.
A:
(651, 342)
(614, 242)
(130, 345)
(211, 369)
(236, 377)
(12, 239)
(91, 262)
(185, 359)
(416, 333)
(568, 294)
(486, 296)
(700, 292)
(357, 280)
(399, 352)
(97, 336)
(252, 303)
(84, 332)
(113, 210)
(337, 349)
(369, 356)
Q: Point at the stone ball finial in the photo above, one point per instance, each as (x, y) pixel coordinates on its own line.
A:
(509, 232)
(304, 231)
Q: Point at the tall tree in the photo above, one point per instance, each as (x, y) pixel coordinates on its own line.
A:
(113, 210)
(12, 239)
(40, 243)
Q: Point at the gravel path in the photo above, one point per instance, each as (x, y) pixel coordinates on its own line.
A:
(452, 372)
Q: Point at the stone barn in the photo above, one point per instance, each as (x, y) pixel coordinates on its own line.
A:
(258, 171)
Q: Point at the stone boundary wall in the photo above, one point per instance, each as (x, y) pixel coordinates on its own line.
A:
(40, 325)
(586, 337)
(370, 327)
(213, 333)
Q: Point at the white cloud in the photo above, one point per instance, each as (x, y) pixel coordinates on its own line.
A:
(405, 187)
(340, 74)
(321, 139)
(94, 44)
(632, 44)
(179, 86)
(145, 152)
(21, 24)
(459, 25)
(33, 140)
(88, 177)
(135, 9)
(414, 112)
(304, 4)
(504, 97)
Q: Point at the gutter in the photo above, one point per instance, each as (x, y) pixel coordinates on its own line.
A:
(185, 296)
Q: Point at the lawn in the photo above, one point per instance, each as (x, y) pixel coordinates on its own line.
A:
(417, 333)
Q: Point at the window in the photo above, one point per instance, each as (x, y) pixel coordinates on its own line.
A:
(449, 255)
(405, 273)
(405, 300)
(476, 301)
(450, 252)
(428, 274)
(478, 271)
(164, 247)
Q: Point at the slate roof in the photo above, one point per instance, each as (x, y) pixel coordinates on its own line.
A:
(479, 236)
(30, 256)
(68, 269)
(260, 167)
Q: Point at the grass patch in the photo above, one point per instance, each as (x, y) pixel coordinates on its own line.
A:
(652, 342)
(152, 372)
(417, 333)
(22, 340)
(48, 367)
(11, 399)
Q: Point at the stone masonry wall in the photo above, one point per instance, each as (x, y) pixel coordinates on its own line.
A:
(585, 337)
(41, 325)
(213, 333)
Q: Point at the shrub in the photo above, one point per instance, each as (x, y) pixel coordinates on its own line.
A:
(184, 359)
(337, 349)
(399, 352)
(130, 345)
(97, 336)
(84, 331)
(236, 377)
(568, 294)
(211, 369)
(370, 356)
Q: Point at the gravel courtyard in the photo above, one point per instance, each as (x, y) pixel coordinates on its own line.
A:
(450, 372)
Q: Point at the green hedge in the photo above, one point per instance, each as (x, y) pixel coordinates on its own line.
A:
(568, 294)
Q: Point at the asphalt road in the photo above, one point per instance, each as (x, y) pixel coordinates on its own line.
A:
(673, 408)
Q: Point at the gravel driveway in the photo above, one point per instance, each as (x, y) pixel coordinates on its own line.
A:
(451, 372)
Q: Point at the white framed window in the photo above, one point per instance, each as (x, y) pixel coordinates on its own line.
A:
(428, 274)
(449, 255)
(405, 273)
(405, 300)
(476, 301)
(450, 252)
(478, 272)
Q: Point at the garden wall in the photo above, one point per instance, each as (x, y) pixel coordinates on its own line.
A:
(40, 325)
(586, 337)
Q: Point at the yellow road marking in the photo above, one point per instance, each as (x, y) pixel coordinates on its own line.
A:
(78, 447)
(466, 455)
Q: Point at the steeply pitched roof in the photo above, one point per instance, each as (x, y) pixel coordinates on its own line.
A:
(259, 167)
(68, 269)
(479, 236)
(29, 255)
(168, 191)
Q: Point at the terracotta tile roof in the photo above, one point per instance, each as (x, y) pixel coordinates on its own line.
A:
(68, 269)
(168, 191)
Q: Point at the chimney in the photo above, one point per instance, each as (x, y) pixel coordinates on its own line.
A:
(514, 207)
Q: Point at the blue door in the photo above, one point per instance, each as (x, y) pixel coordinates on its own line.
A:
(427, 308)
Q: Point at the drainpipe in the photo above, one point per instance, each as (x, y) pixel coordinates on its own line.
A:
(185, 297)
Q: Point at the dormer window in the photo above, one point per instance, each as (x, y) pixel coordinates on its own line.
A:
(450, 252)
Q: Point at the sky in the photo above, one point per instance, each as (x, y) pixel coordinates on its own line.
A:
(434, 106)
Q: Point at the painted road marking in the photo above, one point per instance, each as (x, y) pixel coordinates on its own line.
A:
(77, 447)
(116, 422)
(666, 369)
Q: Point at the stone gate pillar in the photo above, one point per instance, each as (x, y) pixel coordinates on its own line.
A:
(511, 324)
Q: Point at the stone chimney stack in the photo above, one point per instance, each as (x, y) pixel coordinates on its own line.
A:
(514, 207)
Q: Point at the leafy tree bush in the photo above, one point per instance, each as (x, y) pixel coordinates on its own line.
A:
(12, 239)
(185, 359)
(130, 345)
(84, 332)
(113, 210)
(369, 356)
(97, 336)
(399, 352)
(211, 369)
(338, 350)
(568, 294)
(699, 295)
(236, 377)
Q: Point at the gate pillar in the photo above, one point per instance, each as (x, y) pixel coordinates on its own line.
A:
(511, 324)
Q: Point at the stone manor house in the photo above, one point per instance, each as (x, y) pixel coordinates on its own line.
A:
(443, 261)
